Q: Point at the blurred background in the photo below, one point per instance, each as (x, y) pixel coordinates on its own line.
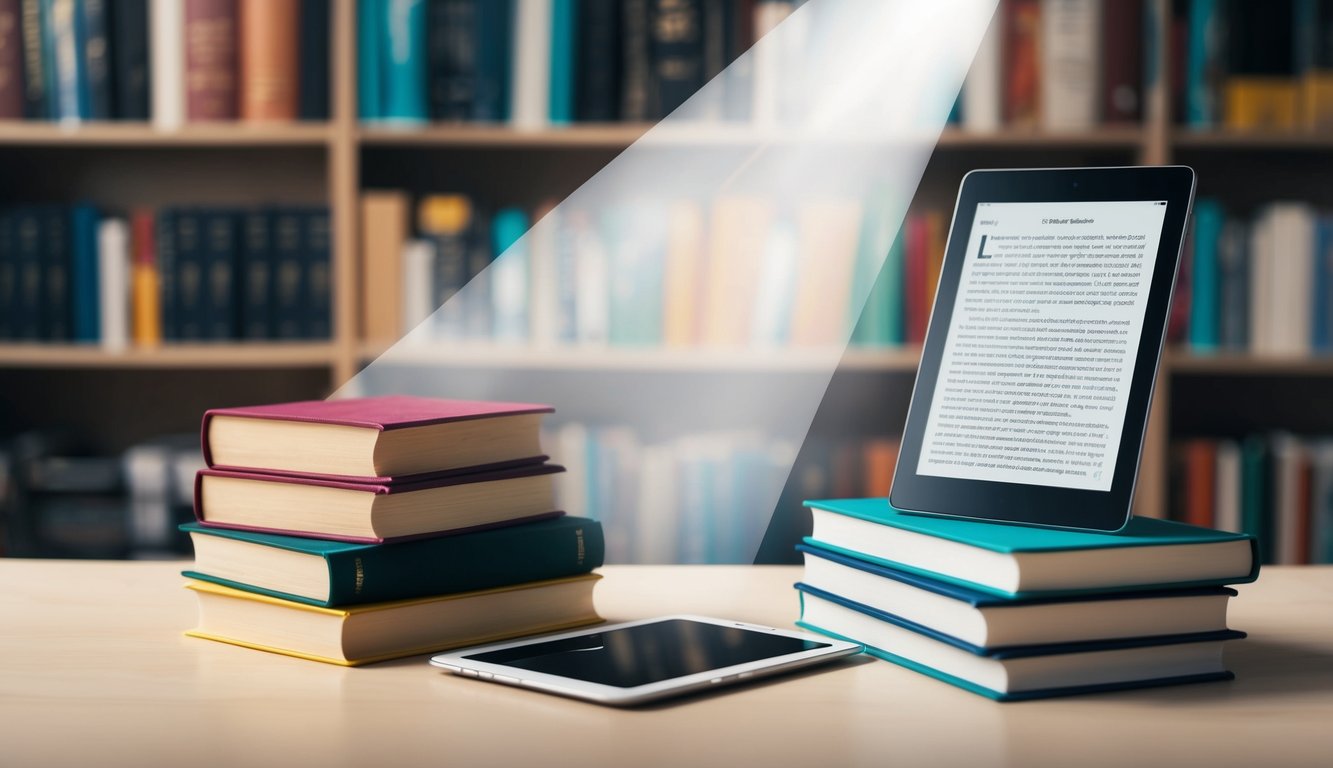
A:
(222, 202)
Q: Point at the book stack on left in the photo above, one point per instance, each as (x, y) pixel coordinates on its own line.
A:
(352, 531)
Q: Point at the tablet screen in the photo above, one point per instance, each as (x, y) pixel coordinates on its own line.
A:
(627, 657)
(1039, 356)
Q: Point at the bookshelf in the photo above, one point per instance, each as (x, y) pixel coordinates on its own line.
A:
(333, 162)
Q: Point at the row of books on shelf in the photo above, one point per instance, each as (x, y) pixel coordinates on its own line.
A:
(736, 273)
(1248, 66)
(1277, 487)
(1262, 284)
(168, 61)
(179, 274)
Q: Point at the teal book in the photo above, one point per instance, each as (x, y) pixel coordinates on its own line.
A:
(334, 573)
(564, 28)
(1204, 284)
(405, 70)
(369, 59)
(1203, 64)
(880, 265)
(86, 296)
(1023, 561)
(1256, 482)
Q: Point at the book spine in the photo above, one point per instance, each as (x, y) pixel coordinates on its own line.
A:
(384, 221)
(96, 49)
(564, 41)
(638, 94)
(500, 557)
(490, 98)
(510, 276)
(1323, 286)
(982, 110)
(1260, 88)
(146, 290)
(405, 70)
(256, 289)
(418, 268)
(530, 101)
(66, 29)
(1203, 318)
(35, 94)
(165, 251)
(30, 273)
(210, 59)
(218, 315)
(317, 282)
(11, 61)
(767, 80)
(56, 235)
(1070, 61)
(85, 293)
(446, 221)
(1203, 64)
(369, 69)
(1022, 77)
(478, 320)
(190, 272)
(288, 275)
(129, 59)
(677, 51)
(1122, 62)
(451, 50)
(597, 88)
(167, 54)
(268, 59)
(1314, 66)
(719, 32)
(113, 269)
(8, 277)
(313, 70)
(916, 279)
(1234, 284)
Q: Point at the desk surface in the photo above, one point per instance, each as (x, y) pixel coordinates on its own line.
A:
(94, 670)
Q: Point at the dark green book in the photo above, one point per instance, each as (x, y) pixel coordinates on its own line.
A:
(333, 573)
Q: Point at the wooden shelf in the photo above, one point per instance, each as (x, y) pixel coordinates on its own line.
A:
(655, 360)
(226, 355)
(1127, 137)
(111, 134)
(1184, 138)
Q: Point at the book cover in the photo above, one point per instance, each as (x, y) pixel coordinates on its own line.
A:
(36, 97)
(597, 65)
(677, 51)
(379, 413)
(738, 229)
(1200, 481)
(564, 41)
(494, 21)
(131, 75)
(85, 293)
(187, 310)
(1122, 62)
(373, 573)
(269, 59)
(1322, 339)
(96, 51)
(211, 39)
(288, 275)
(636, 245)
(1209, 219)
(146, 289)
(218, 305)
(113, 270)
(1022, 53)
(369, 59)
(312, 99)
(256, 274)
(405, 87)
(530, 98)
(11, 60)
(57, 265)
(167, 82)
(451, 53)
(776, 293)
(881, 321)
(317, 282)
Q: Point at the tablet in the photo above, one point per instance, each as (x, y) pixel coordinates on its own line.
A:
(1031, 401)
(642, 661)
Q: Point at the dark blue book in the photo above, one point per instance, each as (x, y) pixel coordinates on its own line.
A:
(317, 280)
(451, 52)
(30, 273)
(1323, 300)
(86, 281)
(478, 320)
(96, 50)
(638, 94)
(1233, 267)
(490, 91)
(48, 48)
(56, 234)
(678, 52)
(313, 61)
(369, 59)
(190, 275)
(35, 93)
(218, 314)
(165, 241)
(130, 74)
(288, 275)
(256, 274)
(9, 277)
(597, 61)
(404, 50)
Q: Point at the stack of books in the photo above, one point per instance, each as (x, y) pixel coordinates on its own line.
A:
(1013, 612)
(351, 531)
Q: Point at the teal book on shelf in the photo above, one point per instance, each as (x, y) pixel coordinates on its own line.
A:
(564, 44)
(1204, 284)
(404, 46)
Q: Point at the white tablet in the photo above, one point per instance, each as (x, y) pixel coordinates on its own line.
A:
(641, 661)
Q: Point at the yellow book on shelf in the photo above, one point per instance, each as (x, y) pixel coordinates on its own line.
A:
(384, 231)
(362, 634)
(145, 284)
(827, 246)
(1260, 103)
(1316, 100)
(685, 262)
(738, 234)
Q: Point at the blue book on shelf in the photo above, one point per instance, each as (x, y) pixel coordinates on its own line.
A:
(490, 95)
(946, 658)
(220, 261)
(57, 318)
(95, 52)
(1203, 55)
(318, 278)
(85, 296)
(63, 27)
(405, 68)
(564, 44)
(369, 60)
(8, 278)
(1204, 284)
(1323, 285)
(256, 274)
(288, 275)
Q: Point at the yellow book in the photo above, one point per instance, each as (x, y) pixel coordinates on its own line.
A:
(363, 634)
(145, 284)
(828, 239)
(1260, 103)
(1316, 97)
(685, 252)
(738, 233)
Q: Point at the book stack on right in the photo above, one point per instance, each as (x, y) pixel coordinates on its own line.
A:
(1013, 612)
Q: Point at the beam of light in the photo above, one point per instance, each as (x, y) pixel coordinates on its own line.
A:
(685, 308)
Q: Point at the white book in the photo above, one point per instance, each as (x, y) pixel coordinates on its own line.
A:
(1070, 64)
(113, 267)
(529, 105)
(569, 448)
(509, 293)
(775, 298)
(768, 60)
(1226, 516)
(166, 21)
(418, 284)
(1293, 264)
(1262, 302)
(982, 111)
(543, 291)
(592, 274)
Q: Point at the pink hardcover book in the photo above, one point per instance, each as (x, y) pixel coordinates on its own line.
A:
(382, 440)
(265, 503)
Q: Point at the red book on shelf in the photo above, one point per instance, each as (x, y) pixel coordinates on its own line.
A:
(374, 513)
(11, 62)
(210, 59)
(1122, 62)
(373, 439)
(1021, 51)
(1200, 482)
(916, 278)
(880, 457)
(268, 55)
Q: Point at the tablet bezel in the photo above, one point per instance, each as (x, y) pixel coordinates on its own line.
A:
(1036, 504)
(459, 663)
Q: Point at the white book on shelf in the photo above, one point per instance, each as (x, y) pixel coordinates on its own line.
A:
(982, 112)
(775, 298)
(1262, 303)
(529, 105)
(113, 265)
(1293, 262)
(418, 284)
(592, 274)
(1226, 516)
(543, 291)
(569, 448)
(166, 20)
(767, 60)
(1071, 56)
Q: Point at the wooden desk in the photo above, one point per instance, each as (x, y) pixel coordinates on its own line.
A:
(94, 671)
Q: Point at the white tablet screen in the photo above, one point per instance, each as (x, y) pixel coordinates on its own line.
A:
(1035, 375)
